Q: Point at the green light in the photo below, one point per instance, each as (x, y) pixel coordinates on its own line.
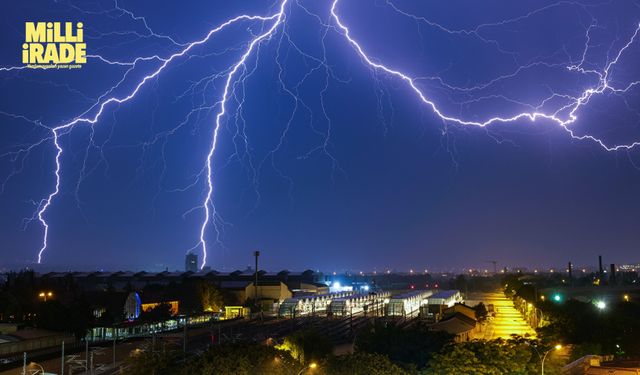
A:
(557, 297)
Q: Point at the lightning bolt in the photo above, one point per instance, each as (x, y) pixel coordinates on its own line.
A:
(578, 102)
(563, 116)
(83, 119)
(207, 204)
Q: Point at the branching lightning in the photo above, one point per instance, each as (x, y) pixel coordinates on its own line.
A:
(274, 27)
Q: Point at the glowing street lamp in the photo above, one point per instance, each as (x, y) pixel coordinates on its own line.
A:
(601, 305)
(626, 298)
(45, 295)
(312, 366)
(557, 347)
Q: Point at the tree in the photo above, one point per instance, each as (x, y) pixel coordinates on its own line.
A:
(307, 346)
(360, 364)
(243, 359)
(410, 348)
(210, 297)
(484, 358)
(154, 363)
(481, 311)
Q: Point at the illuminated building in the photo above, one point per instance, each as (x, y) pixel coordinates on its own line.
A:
(191, 262)
(137, 304)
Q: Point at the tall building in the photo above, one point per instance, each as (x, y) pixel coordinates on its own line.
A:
(191, 262)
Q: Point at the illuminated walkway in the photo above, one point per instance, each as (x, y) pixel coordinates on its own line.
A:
(508, 321)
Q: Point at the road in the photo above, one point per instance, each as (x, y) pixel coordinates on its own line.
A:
(508, 321)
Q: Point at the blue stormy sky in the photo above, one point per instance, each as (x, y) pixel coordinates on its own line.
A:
(322, 162)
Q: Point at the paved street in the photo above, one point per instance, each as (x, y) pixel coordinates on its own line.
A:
(508, 321)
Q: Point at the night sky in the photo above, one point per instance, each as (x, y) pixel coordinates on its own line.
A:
(323, 162)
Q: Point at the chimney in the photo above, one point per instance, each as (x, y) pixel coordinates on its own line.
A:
(600, 269)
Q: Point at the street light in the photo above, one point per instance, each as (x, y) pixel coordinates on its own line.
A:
(544, 357)
(601, 305)
(557, 347)
(45, 295)
(311, 366)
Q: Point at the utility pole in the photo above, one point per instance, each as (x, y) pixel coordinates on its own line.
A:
(114, 353)
(184, 342)
(86, 355)
(62, 358)
(256, 254)
(24, 363)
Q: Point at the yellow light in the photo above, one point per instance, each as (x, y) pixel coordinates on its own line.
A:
(626, 297)
(49, 294)
(41, 294)
(313, 365)
(530, 305)
(558, 347)
(542, 298)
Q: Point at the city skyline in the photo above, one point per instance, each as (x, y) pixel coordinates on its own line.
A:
(339, 144)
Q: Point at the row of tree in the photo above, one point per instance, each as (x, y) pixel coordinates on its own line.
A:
(380, 349)
(580, 324)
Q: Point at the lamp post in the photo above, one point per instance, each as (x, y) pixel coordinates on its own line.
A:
(557, 347)
(45, 295)
(256, 254)
(311, 366)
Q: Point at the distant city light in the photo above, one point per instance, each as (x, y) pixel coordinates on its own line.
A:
(626, 297)
(366, 288)
(336, 284)
(601, 305)
(557, 297)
